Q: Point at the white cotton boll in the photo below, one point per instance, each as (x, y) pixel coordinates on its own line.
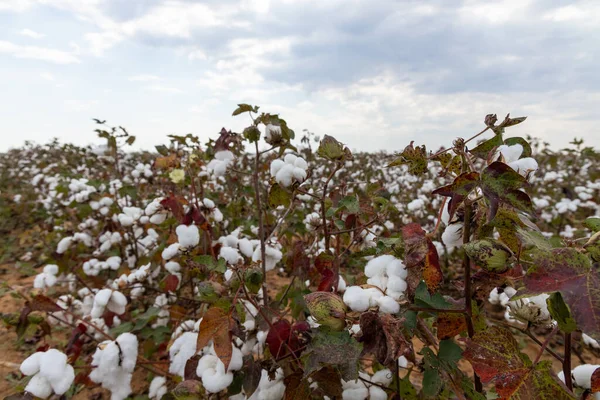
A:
(170, 251)
(358, 393)
(158, 388)
(341, 284)
(396, 284)
(102, 297)
(510, 153)
(231, 255)
(396, 268)
(183, 348)
(290, 158)
(582, 375)
(378, 265)
(158, 219)
(402, 362)
(301, 163)
(380, 281)
(374, 296)
(299, 174)
(63, 382)
(215, 380)
(377, 393)
(227, 275)
(39, 387)
(524, 166)
(117, 303)
(64, 244)
(114, 262)
(246, 247)
(51, 269)
(285, 175)
(208, 203)
(188, 236)
(383, 377)
(415, 205)
(173, 267)
(31, 365)
(388, 305)
(52, 365)
(128, 344)
(237, 360)
(356, 298)
(589, 341)
(276, 166)
(452, 236)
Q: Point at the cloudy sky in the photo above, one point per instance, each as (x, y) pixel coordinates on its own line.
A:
(374, 74)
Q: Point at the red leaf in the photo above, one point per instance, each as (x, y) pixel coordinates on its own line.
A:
(327, 280)
(171, 282)
(175, 205)
(421, 252)
(277, 337)
(596, 381)
(570, 272)
(458, 190)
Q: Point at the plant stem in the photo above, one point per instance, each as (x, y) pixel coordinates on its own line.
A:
(468, 300)
(261, 227)
(567, 362)
(545, 344)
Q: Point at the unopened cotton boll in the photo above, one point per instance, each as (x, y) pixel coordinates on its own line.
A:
(187, 236)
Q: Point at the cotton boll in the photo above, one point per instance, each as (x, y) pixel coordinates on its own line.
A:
(341, 284)
(396, 284)
(290, 158)
(183, 348)
(380, 281)
(582, 375)
(117, 303)
(388, 305)
(357, 298)
(524, 166)
(374, 296)
(188, 236)
(299, 174)
(231, 255)
(158, 388)
(301, 163)
(170, 251)
(246, 247)
(276, 166)
(377, 393)
(378, 265)
(285, 175)
(64, 244)
(453, 236)
(510, 153)
(39, 387)
(31, 365)
(215, 380)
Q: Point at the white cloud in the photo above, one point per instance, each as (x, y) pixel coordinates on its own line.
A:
(31, 34)
(15, 5)
(164, 89)
(144, 78)
(38, 53)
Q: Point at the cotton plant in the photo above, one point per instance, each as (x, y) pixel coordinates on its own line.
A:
(50, 373)
(223, 160)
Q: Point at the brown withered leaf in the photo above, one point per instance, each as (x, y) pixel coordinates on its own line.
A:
(421, 252)
(166, 162)
(449, 325)
(43, 303)
(215, 326)
(329, 382)
(382, 337)
(296, 387)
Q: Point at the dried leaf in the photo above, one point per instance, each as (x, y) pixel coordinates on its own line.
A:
(215, 326)
(382, 336)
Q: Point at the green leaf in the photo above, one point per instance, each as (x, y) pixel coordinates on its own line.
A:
(414, 157)
(593, 224)
(501, 184)
(450, 353)
(483, 150)
(130, 140)
(130, 191)
(458, 190)
(560, 313)
(278, 196)
(351, 204)
(432, 383)
(336, 349)
(242, 108)
(331, 149)
(253, 280)
(519, 140)
(424, 299)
